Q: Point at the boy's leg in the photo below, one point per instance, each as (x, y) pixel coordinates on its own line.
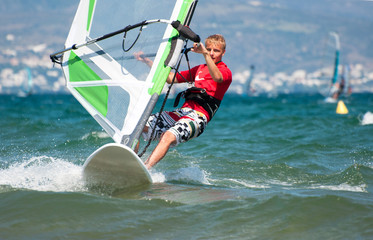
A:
(160, 151)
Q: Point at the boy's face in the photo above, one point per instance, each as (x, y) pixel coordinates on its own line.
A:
(216, 51)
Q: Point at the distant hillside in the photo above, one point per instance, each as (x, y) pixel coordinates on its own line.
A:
(282, 36)
(36, 22)
(288, 35)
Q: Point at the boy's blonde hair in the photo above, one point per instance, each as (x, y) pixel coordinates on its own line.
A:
(216, 38)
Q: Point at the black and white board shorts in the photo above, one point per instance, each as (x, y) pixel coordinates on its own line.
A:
(184, 123)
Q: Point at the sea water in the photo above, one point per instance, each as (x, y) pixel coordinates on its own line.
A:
(284, 167)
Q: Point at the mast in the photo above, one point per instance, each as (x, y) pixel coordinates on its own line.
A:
(336, 58)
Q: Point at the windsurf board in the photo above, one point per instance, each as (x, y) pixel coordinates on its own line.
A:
(115, 166)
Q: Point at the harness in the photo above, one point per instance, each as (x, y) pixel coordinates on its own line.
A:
(200, 96)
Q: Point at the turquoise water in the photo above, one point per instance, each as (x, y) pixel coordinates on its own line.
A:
(266, 168)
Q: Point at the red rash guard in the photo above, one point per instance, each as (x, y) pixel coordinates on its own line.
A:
(202, 79)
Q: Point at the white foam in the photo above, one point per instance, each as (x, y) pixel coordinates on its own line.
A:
(370, 165)
(248, 185)
(157, 177)
(96, 135)
(43, 173)
(367, 119)
(194, 174)
(342, 187)
(191, 174)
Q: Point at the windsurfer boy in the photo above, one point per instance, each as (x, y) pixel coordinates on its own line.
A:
(211, 81)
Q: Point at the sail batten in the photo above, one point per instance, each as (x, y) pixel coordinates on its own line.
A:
(100, 66)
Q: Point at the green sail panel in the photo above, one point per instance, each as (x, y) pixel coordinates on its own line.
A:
(97, 96)
(163, 71)
(79, 71)
(90, 13)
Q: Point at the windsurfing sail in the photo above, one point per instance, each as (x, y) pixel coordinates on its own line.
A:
(100, 66)
(330, 67)
(249, 89)
(27, 84)
(334, 80)
(336, 58)
(345, 80)
(330, 71)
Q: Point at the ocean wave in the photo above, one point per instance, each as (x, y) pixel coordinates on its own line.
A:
(43, 173)
(95, 135)
(342, 187)
(366, 119)
(190, 175)
(248, 184)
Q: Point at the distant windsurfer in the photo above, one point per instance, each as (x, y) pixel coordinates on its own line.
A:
(211, 81)
(339, 88)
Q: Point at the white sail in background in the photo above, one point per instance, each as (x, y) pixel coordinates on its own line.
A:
(27, 84)
(99, 64)
(330, 64)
